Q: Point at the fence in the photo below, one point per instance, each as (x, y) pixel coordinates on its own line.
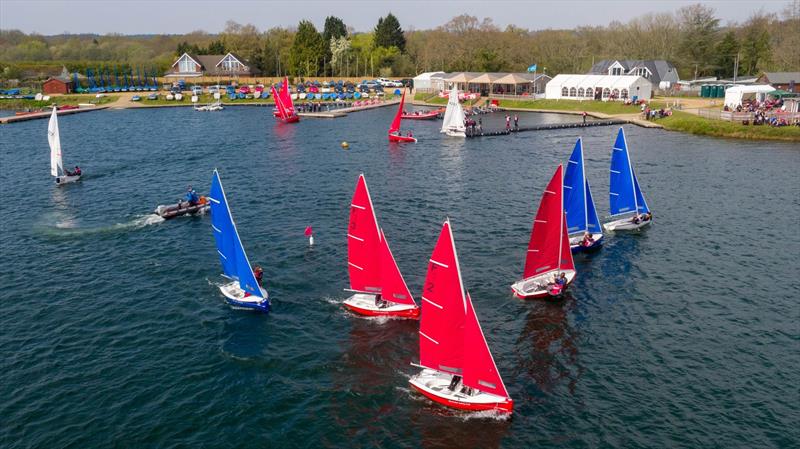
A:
(732, 116)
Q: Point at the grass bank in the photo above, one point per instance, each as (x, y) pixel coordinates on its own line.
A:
(693, 124)
(60, 100)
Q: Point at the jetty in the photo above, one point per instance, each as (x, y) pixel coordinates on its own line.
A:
(548, 127)
(46, 114)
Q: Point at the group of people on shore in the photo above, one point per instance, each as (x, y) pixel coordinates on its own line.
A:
(766, 112)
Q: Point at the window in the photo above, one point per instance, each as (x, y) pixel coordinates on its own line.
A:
(606, 92)
(642, 71)
(580, 92)
(615, 70)
(590, 92)
(624, 94)
(186, 65)
(564, 92)
(615, 93)
(230, 64)
(573, 92)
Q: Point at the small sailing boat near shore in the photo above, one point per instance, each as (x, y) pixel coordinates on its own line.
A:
(583, 225)
(375, 278)
(56, 163)
(284, 108)
(549, 267)
(458, 369)
(244, 290)
(625, 196)
(453, 124)
(394, 129)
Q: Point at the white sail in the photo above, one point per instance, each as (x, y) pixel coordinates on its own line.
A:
(453, 123)
(53, 137)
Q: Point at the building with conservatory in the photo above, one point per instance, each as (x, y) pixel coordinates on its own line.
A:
(598, 87)
(188, 65)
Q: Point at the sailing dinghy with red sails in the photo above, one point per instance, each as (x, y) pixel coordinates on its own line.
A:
(378, 286)
(284, 108)
(394, 129)
(549, 253)
(458, 367)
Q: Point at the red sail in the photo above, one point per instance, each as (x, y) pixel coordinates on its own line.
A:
(399, 116)
(548, 248)
(480, 371)
(279, 104)
(363, 242)
(393, 286)
(286, 99)
(441, 333)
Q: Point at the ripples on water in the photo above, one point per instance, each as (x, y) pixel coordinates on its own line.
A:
(114, 333)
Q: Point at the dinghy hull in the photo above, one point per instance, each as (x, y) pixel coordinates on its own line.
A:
(434, 385)
(236, 297)
(536, 287)
(626, 224)
(398, 138)
(425, 116)
(175, 210)
(364, 304)
(576, 247)
(61, 180)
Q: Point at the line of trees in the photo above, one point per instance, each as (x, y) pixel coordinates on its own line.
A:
(692, 38)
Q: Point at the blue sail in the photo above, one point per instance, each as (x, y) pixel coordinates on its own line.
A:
(622, 198)
(640, 202)
(592, 221)
(575, 191)
(234, 260)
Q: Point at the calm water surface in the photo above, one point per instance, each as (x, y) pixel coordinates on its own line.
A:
(114, 334)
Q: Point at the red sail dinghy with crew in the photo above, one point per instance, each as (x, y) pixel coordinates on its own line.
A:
(379, 287)
(549, 267)
(394, 130)
(458, 367)
(284, 108)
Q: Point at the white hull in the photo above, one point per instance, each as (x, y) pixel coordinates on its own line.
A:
(625, 224)
(366, 302)
(233, 292)
(537, 286)
(437, 383)
(65, 179)
(455, 133)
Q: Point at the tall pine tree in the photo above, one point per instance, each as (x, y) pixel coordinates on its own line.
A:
(308, 50)
(725, 55)
(388, 33)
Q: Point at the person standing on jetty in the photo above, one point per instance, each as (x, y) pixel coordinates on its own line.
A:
(508, 123)
(584, 117)
(516, 122)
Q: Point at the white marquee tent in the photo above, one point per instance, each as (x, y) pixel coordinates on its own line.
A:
(588, 87)
(429, 80)
(735, 94)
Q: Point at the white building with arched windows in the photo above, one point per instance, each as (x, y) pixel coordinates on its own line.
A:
(598, 87)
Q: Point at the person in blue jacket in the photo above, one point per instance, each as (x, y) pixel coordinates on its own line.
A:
(191, 197)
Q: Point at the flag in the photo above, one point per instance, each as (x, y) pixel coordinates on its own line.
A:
(532, 68)
(309, 232)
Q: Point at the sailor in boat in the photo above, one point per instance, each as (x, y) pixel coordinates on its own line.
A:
(76, 172)
(559, 283)
(641, 218)
(380, 302)
(191, 197)
(258, 272)
(587, 240)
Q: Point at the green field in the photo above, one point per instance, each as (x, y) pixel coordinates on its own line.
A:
(693, 124)
(60, 100)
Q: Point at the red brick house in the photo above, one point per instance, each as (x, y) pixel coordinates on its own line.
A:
(58, 85)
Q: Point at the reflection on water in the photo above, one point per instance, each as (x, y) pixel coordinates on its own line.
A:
(548, 347)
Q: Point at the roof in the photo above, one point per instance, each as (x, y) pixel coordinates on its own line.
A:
(59, 79)
(766, 88)
(610, 81)
(210, 63)
(782, 77)
(658, 67)
(429, 75)
(486, 78)
(461, 77)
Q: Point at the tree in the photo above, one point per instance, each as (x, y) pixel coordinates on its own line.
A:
(216, 48)
(699, 28)
(334, 28)
(339, 48)
(389, 34)
(308, 50)
(756, 49)
(726, 52)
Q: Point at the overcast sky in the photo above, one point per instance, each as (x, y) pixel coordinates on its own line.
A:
(183, 16)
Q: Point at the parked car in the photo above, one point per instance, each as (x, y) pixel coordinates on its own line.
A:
(197, 90)
(214, 89)
(389, 83)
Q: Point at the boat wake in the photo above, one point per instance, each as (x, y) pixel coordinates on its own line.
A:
(495, 415)
(69, 227)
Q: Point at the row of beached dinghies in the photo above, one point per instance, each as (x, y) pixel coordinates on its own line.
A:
(457, 366)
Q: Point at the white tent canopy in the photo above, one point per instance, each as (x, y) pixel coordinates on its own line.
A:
(734, 95)
(588, 87)
(426, 80)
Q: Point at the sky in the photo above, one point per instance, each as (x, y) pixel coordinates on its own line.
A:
(183, 16)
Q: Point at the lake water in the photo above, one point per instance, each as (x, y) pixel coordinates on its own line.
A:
(114, 333)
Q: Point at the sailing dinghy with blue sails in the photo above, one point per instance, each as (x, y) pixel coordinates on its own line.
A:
(625, 196)
(583, 226)
(244, 290)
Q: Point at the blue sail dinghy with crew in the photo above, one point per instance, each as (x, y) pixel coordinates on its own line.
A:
(583, 226)
(625, 196)
(244, 290)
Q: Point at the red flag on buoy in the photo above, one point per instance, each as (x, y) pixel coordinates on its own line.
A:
(309, 232)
